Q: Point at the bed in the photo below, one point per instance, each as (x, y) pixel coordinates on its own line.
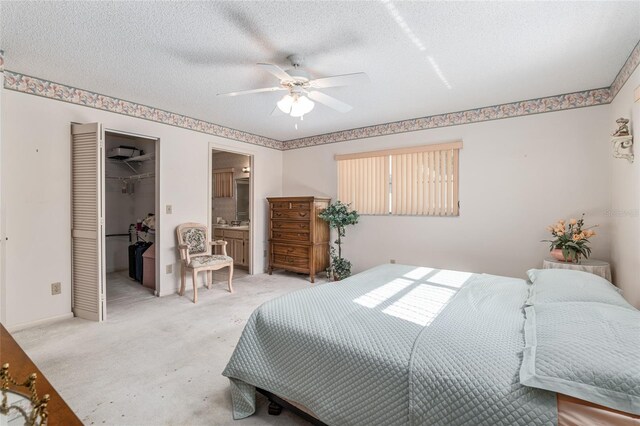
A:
(405, 345)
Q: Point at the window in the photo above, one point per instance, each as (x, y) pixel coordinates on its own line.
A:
(223, 183)
(420, 181)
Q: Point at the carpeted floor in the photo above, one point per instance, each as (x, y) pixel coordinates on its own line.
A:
(157, 361)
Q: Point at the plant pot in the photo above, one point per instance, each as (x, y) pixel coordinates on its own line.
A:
(558, 255)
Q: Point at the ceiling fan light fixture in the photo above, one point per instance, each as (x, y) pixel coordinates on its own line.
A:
(301, 106)
(285, 103)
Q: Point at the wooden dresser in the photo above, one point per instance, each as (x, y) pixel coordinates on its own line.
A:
(298, 238)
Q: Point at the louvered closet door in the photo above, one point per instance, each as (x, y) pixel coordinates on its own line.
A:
(87, 221)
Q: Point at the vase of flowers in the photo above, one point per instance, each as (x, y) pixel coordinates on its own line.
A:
(571, 240)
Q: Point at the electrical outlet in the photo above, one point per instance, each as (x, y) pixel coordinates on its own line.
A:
(169, 269)
(56, 288)
(169, 209)
(392, 261)
(264, 253)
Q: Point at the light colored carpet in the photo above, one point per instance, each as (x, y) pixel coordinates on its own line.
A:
(158, 360)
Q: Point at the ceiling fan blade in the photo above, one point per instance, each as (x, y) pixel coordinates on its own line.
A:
(340, 80)
(276, 112)
(248, 92)
(329, 101)
(276, 70)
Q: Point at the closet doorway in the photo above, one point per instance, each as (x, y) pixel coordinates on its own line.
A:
(114, 200)
(231, 207)
(130, 219)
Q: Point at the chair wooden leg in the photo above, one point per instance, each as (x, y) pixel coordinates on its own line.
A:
(230, 278)
(183, 279)
(209, 279)
(195, 286)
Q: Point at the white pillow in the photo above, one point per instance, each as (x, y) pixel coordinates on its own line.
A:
(564, 285)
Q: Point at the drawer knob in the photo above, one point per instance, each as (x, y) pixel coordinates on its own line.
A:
(303, 214)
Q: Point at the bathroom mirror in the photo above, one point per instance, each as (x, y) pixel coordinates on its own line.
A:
(242, 199)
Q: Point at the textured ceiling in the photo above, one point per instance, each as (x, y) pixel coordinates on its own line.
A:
(423, 58)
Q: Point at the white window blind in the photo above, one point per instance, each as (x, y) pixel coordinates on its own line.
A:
(419, 180)
(364, 183)
(223, 183)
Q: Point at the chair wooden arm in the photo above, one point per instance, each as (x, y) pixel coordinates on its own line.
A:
(222, 243)
(184, 253)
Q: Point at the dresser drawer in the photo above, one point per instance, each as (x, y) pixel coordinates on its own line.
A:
(291, 214)
(280, 225)
(290, 250)
(292, 236)
(288, 205)
(282, 260)
(217, 232)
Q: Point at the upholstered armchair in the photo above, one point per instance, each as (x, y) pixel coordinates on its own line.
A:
(196, 254)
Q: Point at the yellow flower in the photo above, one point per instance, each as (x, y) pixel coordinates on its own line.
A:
(573, 221)
(561, 221)
(550, 228)
(577, 237)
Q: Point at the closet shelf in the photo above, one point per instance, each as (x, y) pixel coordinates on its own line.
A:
(139, 158)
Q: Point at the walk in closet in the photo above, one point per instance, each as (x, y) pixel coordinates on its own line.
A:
(130, 222)
(114, 194)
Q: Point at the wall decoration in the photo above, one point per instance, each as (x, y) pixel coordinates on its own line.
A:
(622, 140)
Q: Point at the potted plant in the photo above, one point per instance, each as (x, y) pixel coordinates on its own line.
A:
(571, 242)
(339, 216)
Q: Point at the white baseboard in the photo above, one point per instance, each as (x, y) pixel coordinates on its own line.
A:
(44, 321)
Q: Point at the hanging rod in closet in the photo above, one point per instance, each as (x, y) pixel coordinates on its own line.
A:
(139, 176)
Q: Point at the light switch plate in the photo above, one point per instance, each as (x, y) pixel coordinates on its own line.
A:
(169, 269)
(56, 288)
(169, 209)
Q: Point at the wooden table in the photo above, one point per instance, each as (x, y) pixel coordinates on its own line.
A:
(21, 366)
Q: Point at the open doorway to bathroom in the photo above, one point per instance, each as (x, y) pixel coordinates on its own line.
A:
(130, 219)
(231, 210)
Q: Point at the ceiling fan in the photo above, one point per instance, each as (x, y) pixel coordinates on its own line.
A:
(303, 91)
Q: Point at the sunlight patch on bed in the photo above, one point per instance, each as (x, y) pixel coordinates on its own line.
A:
(418, 273)
(422, 304)
(450, 278)
(382, 293)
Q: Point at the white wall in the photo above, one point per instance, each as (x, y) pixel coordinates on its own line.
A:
(36, 196)
(625, 196)
(517, 176)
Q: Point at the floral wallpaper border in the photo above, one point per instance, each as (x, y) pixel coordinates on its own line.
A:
(39, 87)
(625, 72)
(515, 109)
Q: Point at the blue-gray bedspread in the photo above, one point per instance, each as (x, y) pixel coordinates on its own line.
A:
(394, 345)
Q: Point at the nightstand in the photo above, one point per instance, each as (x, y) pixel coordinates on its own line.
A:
(596, 267)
